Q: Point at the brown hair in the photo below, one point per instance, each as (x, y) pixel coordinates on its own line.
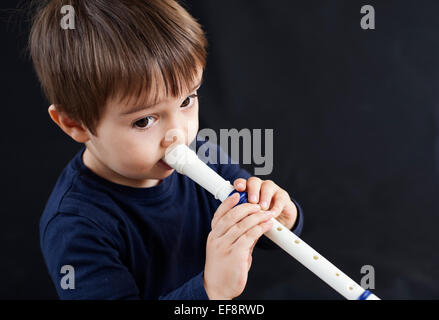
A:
(119, 48)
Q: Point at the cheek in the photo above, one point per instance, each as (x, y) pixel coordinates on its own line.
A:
(192, 125)
(192, 131)
(142, 149)
(129, 150)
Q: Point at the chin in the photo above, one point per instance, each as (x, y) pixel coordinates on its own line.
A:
(161, 172)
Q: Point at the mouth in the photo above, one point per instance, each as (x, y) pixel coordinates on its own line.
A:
(164, 165)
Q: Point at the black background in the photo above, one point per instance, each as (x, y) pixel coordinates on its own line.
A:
(355, 119)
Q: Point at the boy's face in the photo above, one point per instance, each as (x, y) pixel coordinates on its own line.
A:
(130, 143)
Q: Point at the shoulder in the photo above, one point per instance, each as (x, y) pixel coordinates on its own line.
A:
(80, 214)
(74, 203)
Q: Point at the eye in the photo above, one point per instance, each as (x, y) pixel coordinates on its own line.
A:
(189, 101)
(146, 123)
(143, 123)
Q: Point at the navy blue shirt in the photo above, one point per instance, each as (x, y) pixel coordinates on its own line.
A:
(131, 243)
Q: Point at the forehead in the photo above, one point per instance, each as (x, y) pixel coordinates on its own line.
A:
(153, 94)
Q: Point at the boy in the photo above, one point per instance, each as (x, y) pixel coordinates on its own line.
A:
(123, 223)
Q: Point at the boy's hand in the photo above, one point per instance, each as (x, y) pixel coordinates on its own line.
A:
(235, 231)
(269, 196)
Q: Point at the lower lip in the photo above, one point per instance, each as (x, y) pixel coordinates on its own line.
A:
(164, 165)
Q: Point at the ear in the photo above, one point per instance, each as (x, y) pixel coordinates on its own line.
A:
(75, 130)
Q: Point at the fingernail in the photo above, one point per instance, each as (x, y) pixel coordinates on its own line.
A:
(264, 205)
(240, 186)
(253, 198)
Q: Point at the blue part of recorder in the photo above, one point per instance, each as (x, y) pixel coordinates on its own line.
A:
(364, 295)
(242, 196)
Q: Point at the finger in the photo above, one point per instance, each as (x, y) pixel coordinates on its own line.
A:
(240, 228)
(279, 201)
(268, 189)
(224, 207)
(249, 262)
(246, 240)
(240, 184)
(289, 215)
(291, 210)
(233, 216)
(250, 258)
(253, 246)
(253, 188)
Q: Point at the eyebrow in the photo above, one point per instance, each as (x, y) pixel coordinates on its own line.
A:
(142, 107)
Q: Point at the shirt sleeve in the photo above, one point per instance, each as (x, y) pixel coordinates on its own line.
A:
(84, 262)
(231, 171)
(191, 290)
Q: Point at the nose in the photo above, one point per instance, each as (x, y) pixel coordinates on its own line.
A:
(176, 131)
